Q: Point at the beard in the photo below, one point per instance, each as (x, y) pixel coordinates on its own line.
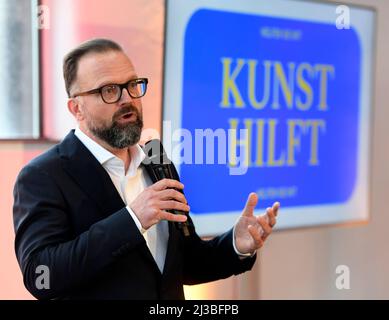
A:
(118, 135)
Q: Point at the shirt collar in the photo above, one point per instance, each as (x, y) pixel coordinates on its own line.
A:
(137, 156)
(103, 155)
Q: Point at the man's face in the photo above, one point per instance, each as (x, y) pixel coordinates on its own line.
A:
(118, 124)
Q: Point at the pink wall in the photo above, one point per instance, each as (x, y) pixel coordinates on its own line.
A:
(138, 26)
(12, 157)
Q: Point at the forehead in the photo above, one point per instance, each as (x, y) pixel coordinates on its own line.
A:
(101, 68)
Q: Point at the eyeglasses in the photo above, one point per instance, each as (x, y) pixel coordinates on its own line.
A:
(111, 93)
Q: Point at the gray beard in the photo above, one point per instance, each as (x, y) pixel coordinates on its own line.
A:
(119, 136)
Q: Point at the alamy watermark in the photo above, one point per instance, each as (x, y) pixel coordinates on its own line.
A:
(232, 146)
(42, 281)
(343, 17)
(342, 281)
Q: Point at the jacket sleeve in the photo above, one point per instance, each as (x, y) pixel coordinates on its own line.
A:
(210, 260)
(215, 259)
(44, 237)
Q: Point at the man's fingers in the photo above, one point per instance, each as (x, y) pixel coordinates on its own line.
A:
(164, 215)
(265, 226)
(263, 221)
(173, 205)
(275, 208)
(167, 183)
(252, 201)
(254, 232)
(270, 214)
(168, 194)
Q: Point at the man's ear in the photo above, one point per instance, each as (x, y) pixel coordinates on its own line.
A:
(75, 109)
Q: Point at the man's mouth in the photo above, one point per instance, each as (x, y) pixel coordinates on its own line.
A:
(130, 116)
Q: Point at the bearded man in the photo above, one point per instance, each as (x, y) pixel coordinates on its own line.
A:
(87, 212)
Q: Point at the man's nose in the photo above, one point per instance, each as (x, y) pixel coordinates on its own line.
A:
(125, 98)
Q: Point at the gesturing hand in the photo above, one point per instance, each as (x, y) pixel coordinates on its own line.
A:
(251, 231)
(151, 204)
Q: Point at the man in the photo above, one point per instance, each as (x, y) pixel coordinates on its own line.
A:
(87, 211)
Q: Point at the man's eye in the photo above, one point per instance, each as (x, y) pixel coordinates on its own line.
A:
(110, 89)
(134, 84)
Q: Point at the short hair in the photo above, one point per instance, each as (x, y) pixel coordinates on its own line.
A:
(71, 60)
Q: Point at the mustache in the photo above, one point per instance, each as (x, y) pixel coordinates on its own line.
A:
(124, 110)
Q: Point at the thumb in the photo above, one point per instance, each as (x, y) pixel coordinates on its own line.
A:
(252, 201)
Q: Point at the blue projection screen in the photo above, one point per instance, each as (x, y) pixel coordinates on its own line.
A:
(272, 97)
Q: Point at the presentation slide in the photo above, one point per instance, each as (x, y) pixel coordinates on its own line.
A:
(272, 97)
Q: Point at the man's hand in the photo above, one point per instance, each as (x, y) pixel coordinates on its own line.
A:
(251, 231)
(151, 204)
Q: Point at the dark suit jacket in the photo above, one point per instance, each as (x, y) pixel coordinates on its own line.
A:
(68, 216)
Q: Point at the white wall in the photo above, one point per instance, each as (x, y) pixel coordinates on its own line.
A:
(301, 264)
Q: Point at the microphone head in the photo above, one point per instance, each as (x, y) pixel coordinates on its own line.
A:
(155, 153)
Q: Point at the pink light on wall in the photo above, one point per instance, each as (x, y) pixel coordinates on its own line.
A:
(137, 25)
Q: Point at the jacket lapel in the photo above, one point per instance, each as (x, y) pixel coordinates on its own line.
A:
(171, 248)
(92, 178)
(89, 174)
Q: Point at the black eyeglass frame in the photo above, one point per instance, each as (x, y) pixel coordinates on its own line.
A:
(122, 86)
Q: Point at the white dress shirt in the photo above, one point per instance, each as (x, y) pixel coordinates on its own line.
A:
(129, 185)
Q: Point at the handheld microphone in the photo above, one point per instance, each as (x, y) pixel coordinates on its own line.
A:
(159, 167)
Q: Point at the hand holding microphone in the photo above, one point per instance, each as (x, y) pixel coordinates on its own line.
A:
(153, 204)
(165, 198)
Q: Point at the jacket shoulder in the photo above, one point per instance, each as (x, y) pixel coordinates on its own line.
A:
(48, 162)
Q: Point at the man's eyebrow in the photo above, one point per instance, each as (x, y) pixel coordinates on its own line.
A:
(104, 83)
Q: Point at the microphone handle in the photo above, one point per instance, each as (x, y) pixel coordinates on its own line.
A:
(164, 172)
